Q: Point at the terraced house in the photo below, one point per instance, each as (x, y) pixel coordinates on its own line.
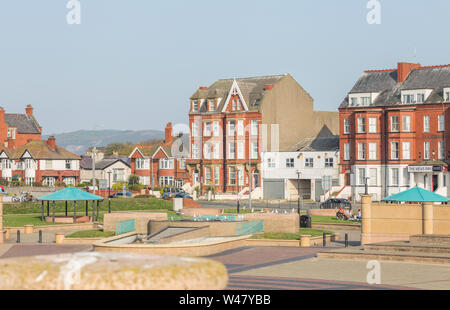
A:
(394, 131)
(234, 120)
(161, 164)
(18, 129)
(40, 162)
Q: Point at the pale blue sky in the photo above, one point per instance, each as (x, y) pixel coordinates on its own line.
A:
(133, 64)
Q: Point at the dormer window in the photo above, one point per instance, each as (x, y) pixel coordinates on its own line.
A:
(354, 101)
(195, 106)
(415, 96)
(365, 101)
(12, 133)
(211, 106)
(447, 94)
(362, 99)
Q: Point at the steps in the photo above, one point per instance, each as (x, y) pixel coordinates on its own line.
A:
(433, 249)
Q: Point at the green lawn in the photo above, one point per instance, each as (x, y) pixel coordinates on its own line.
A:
(330, 220)
(117, 204)
(91, 234)
(21, 220)
(286, 236)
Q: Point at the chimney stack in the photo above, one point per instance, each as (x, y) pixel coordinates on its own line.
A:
(168, 134)
(11, 144)
(2, 115)
(51, 143)
(29, 110)
(268, 86)
(203, 88)
(404, 69)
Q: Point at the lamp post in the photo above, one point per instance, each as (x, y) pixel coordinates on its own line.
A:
(366, 186)
(298, 190)
(109, 191)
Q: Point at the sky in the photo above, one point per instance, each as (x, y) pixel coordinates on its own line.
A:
(134, 64)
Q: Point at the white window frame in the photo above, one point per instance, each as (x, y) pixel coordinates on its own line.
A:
(255, 150)
(290, 163)
(426, 123)
(254, 127)
(240, 150)
(426, 150)
(441, 150)
(441, 122)
(309, 162)
(395, 123)
(395, 151)
(373, 124)
(406, 150)
(373, 151)
(362, 176)
(216, 129)
(346, 151)
(406, 123)
(361, 125)
(395, 176)
(373, 176)
(231, 129)
(207, 129)
(361, 151)
(231, 150)
(346, 126)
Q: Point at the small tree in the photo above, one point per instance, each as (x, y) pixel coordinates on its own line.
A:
(133, 179)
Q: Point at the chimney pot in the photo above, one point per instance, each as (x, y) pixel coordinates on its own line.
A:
(29, 110)
(51, 143)
(404, 69)
(168, 134)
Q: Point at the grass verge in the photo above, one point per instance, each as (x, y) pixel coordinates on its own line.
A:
(287, 236)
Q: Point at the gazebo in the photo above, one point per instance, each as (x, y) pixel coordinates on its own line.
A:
(416, 194)
(70, 194)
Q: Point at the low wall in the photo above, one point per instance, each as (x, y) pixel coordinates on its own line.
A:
(57, 228)
(322, 212)
(383, 222)
(190, 250)
(68, 219)
(216, 229)
(141, 220)
(276, 223)
(314, 241)
(201, 212)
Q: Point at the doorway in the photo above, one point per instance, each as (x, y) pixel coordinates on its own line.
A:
(435, 183)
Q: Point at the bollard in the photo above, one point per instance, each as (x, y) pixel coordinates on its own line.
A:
(18, 236)
(305, 241)
(324, 239)
(59, 238)
(346, 240)
(40, 236)
(28, 229)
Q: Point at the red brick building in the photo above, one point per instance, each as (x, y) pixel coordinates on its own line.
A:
(234, 120)
(41, 162)
(161, 164)
(18, 129)
(394, 131)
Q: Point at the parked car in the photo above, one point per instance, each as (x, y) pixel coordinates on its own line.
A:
(336, 203)
(121, 194)
(90, 188)
(169, 192)
(183, 195)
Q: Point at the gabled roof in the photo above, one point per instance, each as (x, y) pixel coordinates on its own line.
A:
(23, 122)
(317, 144)
(86, 163)
(150, 150)
(252, 90)
(39, 149)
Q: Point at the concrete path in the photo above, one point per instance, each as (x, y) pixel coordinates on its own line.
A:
(20, 250)
(416, 276)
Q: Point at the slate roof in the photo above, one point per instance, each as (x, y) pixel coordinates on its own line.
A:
(24, 123)
(252, 89)
(317, 144)
(385, 82)
(86, 163)
(39, 149)
(151, 150)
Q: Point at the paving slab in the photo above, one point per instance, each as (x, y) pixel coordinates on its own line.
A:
(414, 276)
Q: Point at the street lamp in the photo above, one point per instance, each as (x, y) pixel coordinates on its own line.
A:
(298, 190)
(366, 186)
(109, 191)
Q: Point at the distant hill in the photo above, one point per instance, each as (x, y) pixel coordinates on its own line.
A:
(79, 141)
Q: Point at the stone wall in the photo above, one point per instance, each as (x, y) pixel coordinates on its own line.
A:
(141, 220)
(201, 211)
(383, 222)
(276, 223)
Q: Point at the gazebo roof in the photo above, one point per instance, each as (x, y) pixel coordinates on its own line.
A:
(416, 194)
(70, 194)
